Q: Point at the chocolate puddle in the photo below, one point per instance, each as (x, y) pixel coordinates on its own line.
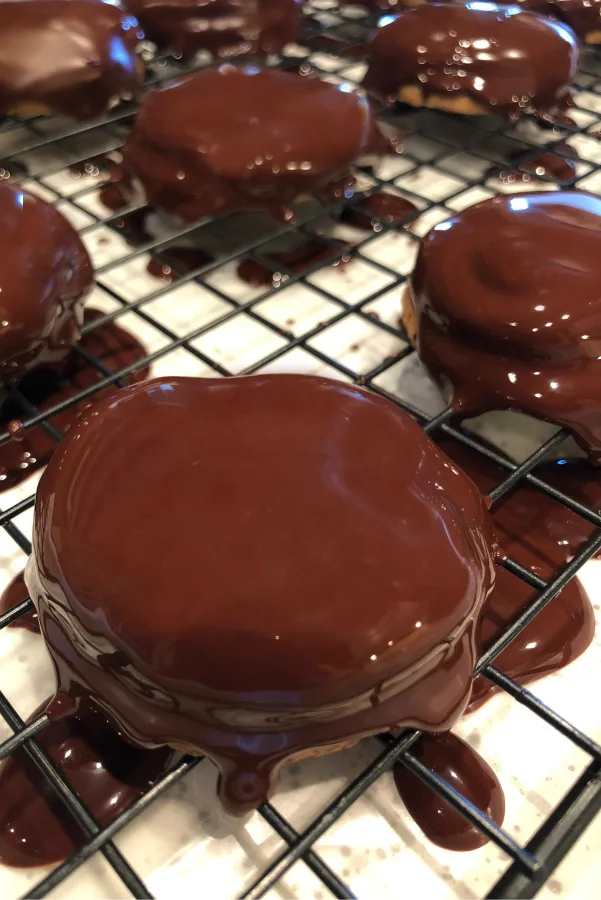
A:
(113, 346)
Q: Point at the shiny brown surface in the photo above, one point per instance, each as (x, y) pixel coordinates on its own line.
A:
(582, 16)
(470, 775)
(497, 56)
(307, 254)
(513, 323)
(113, 347)
(383, 205)
(175, 261)
(15, 592)
(283, 600)
(106, 772)
(235, 137)
(44, 279)
(71, 57)
(547, 165)
(227, 28)
(542, 535)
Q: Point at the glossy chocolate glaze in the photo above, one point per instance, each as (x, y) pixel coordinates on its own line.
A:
(383, 205)
(542, 535)
(470, 775)
(176, 261)
(513, 323)
(545, 166)
(107, 772)
(579, 481)
(498, 56)
(303, 257)
(71, 57)
(582, 16)
(282, 602)
(113, 347)
(45, 276)
(233, 137)
(15, 592)
(226, 28)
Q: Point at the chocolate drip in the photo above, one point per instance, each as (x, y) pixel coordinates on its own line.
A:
(70, 57)
(176, 261)
(545, 166)
(110, 164)
(258, 139)
(15, 592)
(542, 536)
(383, 205)
(329, 626)
(302, 258)
(466, 771)
(115, 195)
(521, 311)
(580, 481)
(107, 773)
(226, 28)
(132, 226)
(497, 56)
(113, 347)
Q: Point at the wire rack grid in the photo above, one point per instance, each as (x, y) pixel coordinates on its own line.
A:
(340, 321)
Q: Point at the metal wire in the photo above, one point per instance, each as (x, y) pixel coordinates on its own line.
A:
(530, 865)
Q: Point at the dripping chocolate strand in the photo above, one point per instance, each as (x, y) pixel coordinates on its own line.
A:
(465, 770)
(303, 257)
(542, 535)
(107, 773)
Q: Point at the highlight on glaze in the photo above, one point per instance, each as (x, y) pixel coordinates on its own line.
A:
(303, 613)
(45, 277)
(520, 309)
(258, 139)
(226, 28)
(477, 58)
(75, 58)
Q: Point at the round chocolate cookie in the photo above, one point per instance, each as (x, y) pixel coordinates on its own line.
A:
(582, 16)
(44, 278)
(505, 309)
(226, 28)
(297, 566)
(475, 58)
(239, 137)
(68, 57)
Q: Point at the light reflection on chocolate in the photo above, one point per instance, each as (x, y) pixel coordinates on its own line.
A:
(542, 535)
(226, 28)
(259, 139)
(45, 277)
(329, 626)
(107, 773)
(66, 57)
(470, 775)
(517, 324)
(497, 57)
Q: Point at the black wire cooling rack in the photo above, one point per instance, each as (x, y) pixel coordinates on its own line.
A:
(332, 34)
